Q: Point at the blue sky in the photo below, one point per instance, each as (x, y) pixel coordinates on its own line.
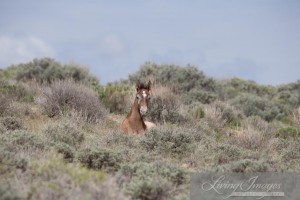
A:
(252, 39)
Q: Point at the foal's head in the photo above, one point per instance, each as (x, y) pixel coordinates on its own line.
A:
(143, 93)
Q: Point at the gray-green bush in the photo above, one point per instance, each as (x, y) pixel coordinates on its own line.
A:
(11, 123)
(66, 150)
(225, 153)
(64, 132)
(152, 180)
(180, 79)
(244, 166)
(288, 132)
(16, 91)
(175, 142)
(97, 158)
(150, 189)
(202, 96)
(21, 140)
(254, 105)
(52, 178)
(48, 70)
(7, 192)
(115, 97)
(289, 95)
(10, 160)
(291, 152)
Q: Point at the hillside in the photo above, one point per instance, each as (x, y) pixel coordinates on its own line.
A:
(60, 137)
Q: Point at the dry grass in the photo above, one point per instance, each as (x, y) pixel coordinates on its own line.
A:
(4, 104)
(254, 133)
(213, 116)
(295, 116)
(165, 106)
(221, 115)
(249, 138)
(66, 98)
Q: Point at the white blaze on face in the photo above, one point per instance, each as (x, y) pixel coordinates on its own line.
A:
(143, 105)
(144, 94)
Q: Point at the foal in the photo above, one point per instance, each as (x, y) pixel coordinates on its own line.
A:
(134, 122)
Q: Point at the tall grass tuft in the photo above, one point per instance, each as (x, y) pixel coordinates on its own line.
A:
(67, 98)
(4, 104)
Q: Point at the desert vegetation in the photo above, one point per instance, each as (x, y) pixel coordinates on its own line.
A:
(60, 136)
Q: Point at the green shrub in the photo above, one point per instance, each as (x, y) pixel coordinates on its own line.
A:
(7, 192)
(115, 97)
(64, 132)
(248, 165)
(10, 160)
(104, 159)
(289, 96)
(143, 170)
(113, 138)
(79, 73)
(254, 105)
(288, 99)
(198, 112)
(170, 141)
(66, 98)
(150, 189)
(142, 176)
(234, 87)
(47, 70)
(291, 152)
(22, 140)
(16, 91)
(201, 96)
(288, 132)
(52, 178)
(244, 166)
(178, 143)
(11, 123)
(151, 140)
(180, 79)
(225, 153)
(66, 150)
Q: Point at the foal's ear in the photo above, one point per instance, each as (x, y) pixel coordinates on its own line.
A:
(149, 85)
(138, 85)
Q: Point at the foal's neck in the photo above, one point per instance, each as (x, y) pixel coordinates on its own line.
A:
(135, 114)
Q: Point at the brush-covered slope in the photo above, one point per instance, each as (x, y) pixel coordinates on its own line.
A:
(60, 137)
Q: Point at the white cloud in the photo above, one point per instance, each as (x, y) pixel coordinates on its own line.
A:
(22, 49)
(111, 45)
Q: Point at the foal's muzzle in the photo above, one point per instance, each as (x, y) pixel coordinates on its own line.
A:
(143, 110)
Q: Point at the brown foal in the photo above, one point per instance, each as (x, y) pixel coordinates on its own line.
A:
(134, 122)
